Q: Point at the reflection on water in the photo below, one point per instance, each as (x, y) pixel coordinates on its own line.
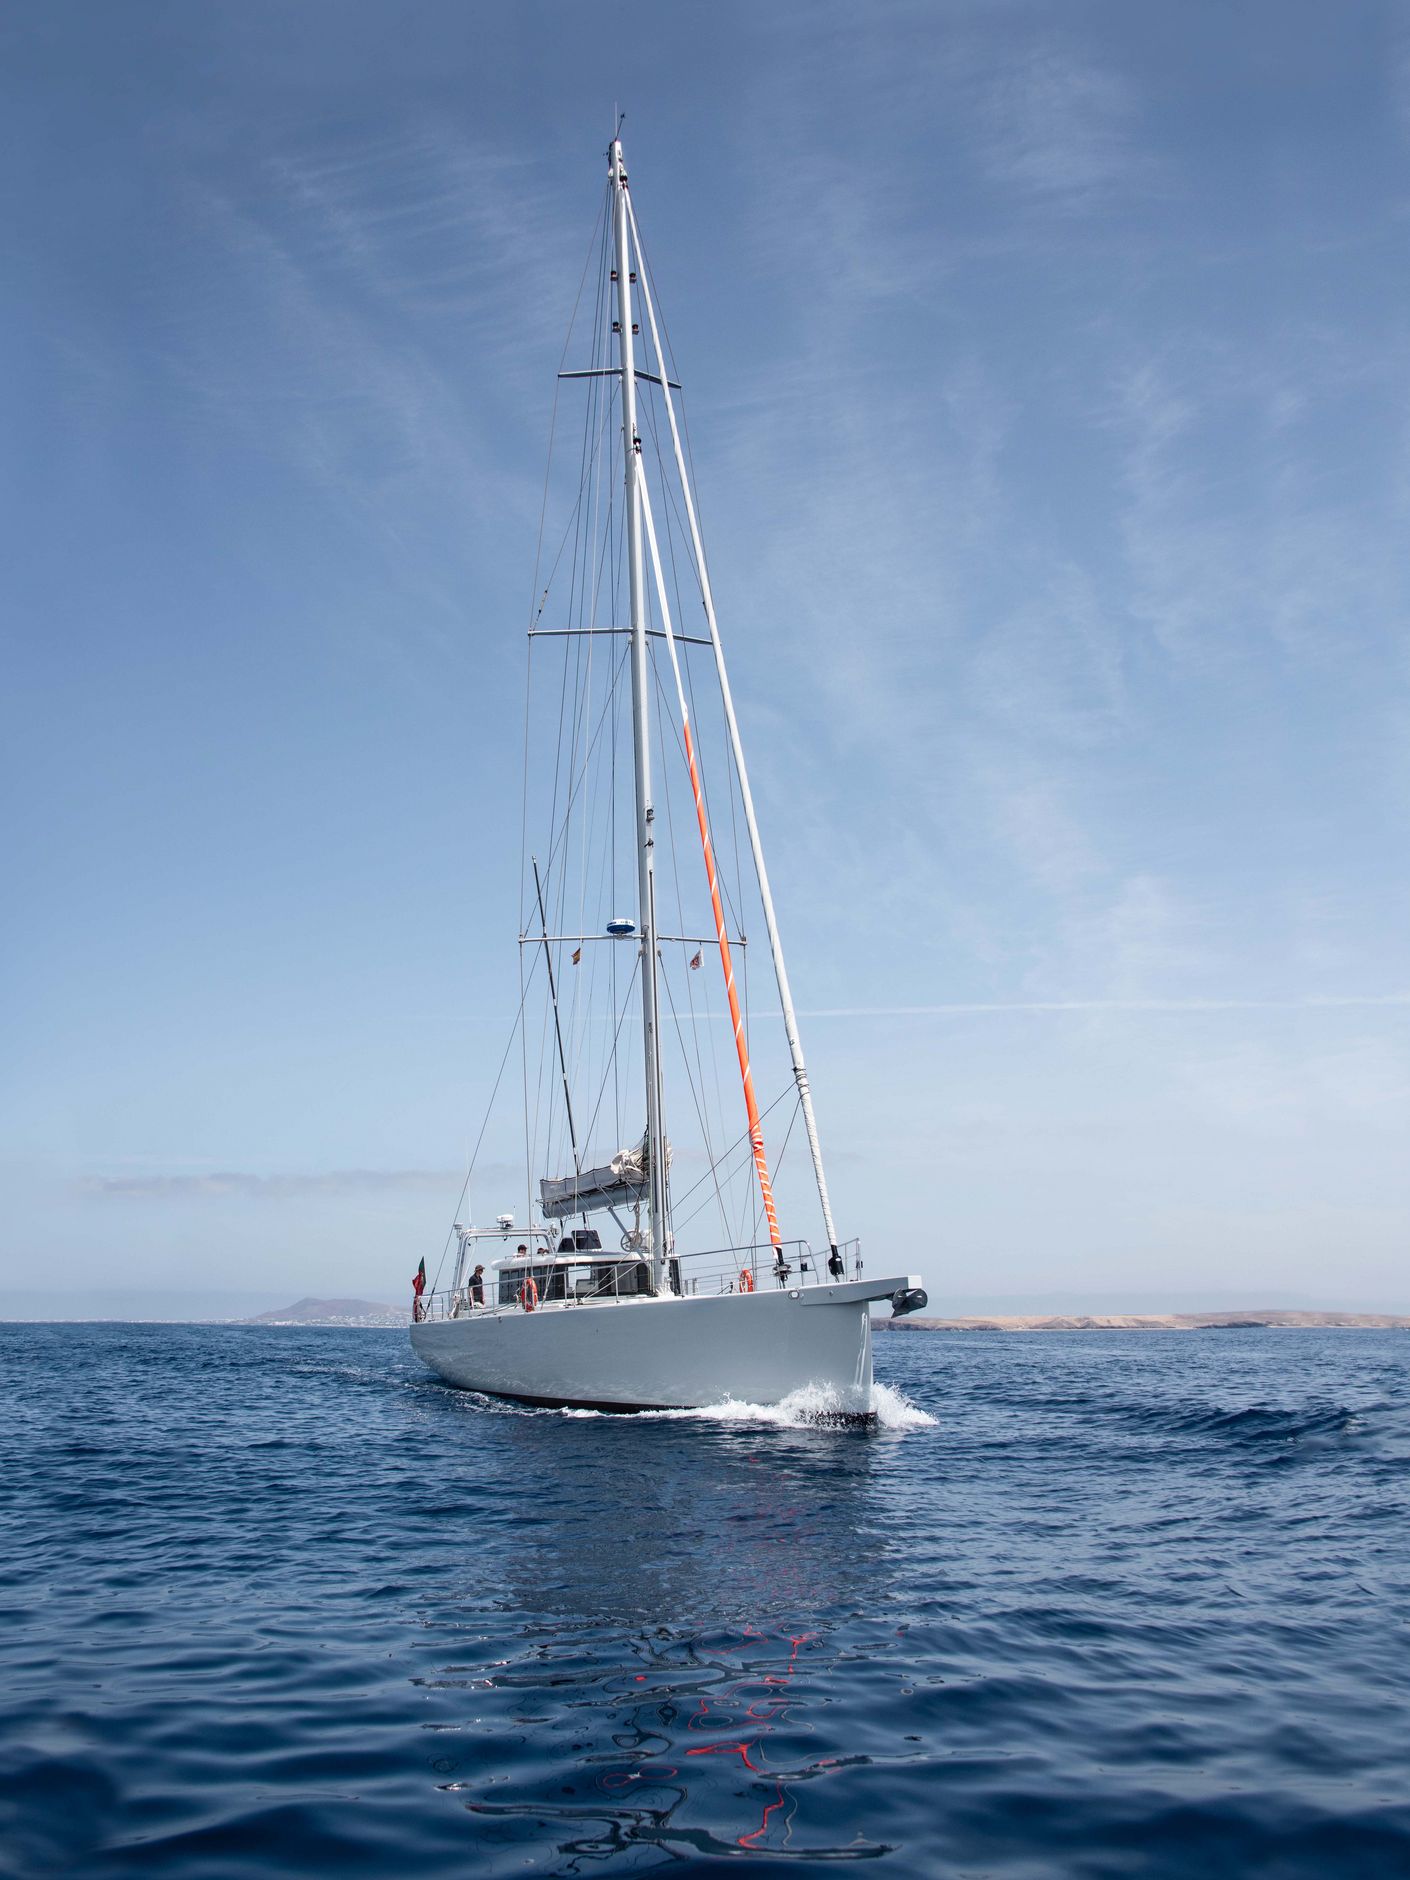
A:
(734, 1701)
(667, 1640)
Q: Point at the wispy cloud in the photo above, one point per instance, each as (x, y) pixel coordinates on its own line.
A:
(1064, 129)
(1243, 535)
(222, 1184)
(349, 324)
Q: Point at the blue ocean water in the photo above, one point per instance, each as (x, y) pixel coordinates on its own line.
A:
(276, 1602)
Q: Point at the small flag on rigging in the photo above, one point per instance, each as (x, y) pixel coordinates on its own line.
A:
(696, 961)
(577, 955)
(418, 1283)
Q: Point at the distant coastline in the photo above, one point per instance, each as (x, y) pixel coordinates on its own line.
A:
(359, 1312)
(1158, 1322)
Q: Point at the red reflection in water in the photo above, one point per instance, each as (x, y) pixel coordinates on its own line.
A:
(765, 1712)
(745, 1840)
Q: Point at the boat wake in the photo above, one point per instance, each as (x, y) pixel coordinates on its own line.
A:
(895, 1411)
(815, 1406)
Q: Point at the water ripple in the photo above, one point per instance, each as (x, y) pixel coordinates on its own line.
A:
(274, 1601)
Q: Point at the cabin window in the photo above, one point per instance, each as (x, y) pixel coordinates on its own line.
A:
(582, 1240)
(614, 1279)
(551, 1282)
(622, 1279)
(607, 1279)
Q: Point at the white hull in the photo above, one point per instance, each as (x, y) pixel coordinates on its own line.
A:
(668, 1353)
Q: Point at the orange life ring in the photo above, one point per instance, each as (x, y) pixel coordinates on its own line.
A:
(746, 1280)
(529, 1293)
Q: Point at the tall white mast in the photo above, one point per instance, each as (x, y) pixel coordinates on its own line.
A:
(790, 1019)
(645, 813)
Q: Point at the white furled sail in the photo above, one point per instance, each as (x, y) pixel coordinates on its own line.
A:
(620, 1183)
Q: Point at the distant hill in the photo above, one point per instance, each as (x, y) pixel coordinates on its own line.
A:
(1154, 1322)
(331, 1312)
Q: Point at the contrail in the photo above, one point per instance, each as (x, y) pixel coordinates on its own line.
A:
(961, 1008)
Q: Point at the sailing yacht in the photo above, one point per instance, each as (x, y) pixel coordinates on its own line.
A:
(614, 1293)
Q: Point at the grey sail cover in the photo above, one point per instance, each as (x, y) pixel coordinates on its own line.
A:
(619, 1183)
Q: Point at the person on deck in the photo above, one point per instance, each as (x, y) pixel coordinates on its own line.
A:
(477, 1286)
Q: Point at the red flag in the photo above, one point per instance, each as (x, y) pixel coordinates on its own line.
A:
(578, 954)
(418, 1284)
(696, 961)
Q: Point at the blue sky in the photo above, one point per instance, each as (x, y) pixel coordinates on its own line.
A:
(1047, 371)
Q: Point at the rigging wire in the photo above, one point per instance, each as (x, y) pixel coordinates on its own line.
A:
(617, 1032)
(595, 240)
(740, 1143)
(663, 717)
(673, 522)
(596, 243)
(710, 1158)
(514, 1028)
